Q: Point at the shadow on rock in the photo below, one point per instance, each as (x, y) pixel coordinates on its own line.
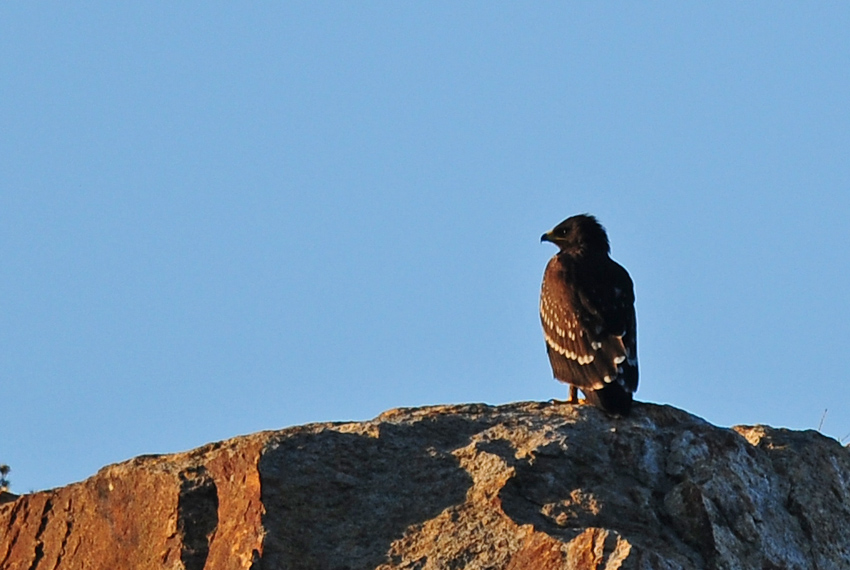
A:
(597, 479)
(337, 500)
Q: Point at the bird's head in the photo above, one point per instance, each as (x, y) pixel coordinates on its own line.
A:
(579, 235)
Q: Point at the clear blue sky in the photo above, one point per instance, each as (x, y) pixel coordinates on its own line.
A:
(219, 218)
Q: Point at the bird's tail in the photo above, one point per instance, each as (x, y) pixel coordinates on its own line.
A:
(612, 398)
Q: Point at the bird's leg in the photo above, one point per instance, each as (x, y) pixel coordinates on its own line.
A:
(573, 399)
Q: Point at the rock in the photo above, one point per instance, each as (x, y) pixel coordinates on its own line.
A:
(522, 486)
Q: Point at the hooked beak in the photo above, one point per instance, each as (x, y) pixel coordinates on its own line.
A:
(546, 237)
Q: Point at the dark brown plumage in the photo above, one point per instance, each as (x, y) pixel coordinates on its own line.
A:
(588, 316)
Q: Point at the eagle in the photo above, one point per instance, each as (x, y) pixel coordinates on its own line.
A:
(587, 309)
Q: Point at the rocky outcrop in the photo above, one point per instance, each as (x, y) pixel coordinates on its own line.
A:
(523, 486)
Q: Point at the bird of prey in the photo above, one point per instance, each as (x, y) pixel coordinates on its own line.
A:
(588, 316)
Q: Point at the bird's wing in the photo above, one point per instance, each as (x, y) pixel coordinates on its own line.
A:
(606, 297)
(572, 352)
(589, 326)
